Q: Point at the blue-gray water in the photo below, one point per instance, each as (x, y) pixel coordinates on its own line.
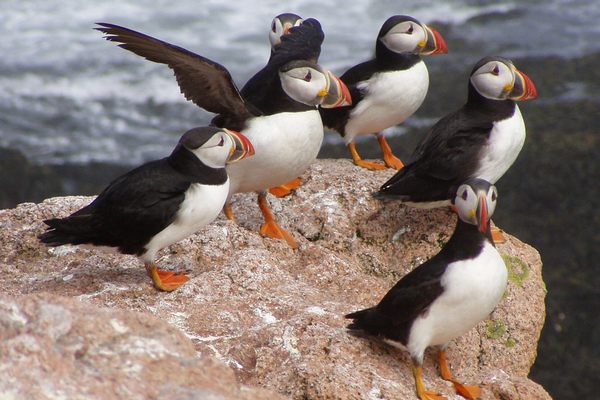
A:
(76, 110)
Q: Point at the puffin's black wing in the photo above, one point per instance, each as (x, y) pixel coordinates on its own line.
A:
(301, 43)
(132, 209)
(336, 118)
(202, 81)
(448, 156)
(412, 295)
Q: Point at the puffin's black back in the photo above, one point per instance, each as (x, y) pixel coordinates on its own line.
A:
(450, 153)
(137, 205)
(264, 89)
(412, 295)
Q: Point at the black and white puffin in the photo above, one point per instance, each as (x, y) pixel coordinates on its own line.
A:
(387, 89)
(281, 25)
(480, 140)
(158, 203)
(279, 115)
(447, 295)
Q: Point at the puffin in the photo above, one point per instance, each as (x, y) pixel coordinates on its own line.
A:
(447, 295)
(281, 25)
(482, 139)
(279, 116)
(158, 203)
(388, 89)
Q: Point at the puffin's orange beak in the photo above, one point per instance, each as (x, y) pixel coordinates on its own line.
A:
(482, 214)
(523, 89)
(338, 94)
(435, 43)
(242, 146)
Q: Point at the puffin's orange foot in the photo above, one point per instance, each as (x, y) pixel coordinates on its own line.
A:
(470, 392)
(392, 161)
(273, 230)
(498, 235)
(166, 280)
(228, 211)
(285, 189)
(372, 165)
(429, 395)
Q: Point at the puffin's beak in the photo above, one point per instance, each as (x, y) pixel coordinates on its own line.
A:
(482, 213)
(435, 43)
(242, 147)
(286, 28)
(523, 88)
(336, 94)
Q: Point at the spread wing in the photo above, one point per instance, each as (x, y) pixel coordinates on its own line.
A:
(204, 82)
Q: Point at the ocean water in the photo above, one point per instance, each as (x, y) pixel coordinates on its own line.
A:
(69, 96)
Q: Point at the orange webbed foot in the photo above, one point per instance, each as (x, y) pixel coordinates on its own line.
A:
(285, 189)
(273, 230)
(393, 162)
(372, 165)
(165, 280)
(498, 235)
(470, 392)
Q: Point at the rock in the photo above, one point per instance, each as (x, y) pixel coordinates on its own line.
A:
(56, 347)
(274, 315)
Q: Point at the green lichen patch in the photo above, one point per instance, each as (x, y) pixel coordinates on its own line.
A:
(510, 342)
(495, 329)
(518, 270)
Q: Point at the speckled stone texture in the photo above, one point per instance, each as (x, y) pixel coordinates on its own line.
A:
(274, 315)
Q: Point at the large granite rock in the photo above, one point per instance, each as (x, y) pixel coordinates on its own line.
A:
(274, 315)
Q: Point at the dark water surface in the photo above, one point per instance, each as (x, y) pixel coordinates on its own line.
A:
(75, 112)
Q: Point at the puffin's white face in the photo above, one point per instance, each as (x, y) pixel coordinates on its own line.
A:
(310, 84)
(475, 203)
(280, 26)
(405, 37)
(224, 147)
(305, 84)
(494, 80)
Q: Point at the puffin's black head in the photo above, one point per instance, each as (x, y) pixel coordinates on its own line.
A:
(215, 147)
(497, 78)
(311, 84)
(281, 25)
(475, 202)
(404, 34)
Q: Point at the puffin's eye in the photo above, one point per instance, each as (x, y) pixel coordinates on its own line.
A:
(273, 26)
(496, 70)
(465, 195)
(494, 195)
(410, 30)
(221, 142)
(307, 77)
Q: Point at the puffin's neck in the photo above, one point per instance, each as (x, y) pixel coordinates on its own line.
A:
(186, 163)
(466, 241)
(501, 109)
(389, 60)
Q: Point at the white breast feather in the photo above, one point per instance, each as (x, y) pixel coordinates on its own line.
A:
(202, 204)
(285, 145)
(505, 142)
(472, 289)
(390, 98)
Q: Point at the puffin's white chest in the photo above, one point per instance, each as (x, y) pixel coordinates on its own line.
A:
(390, 98)
(202, 204)
(285, 145)
(505, 142)
(472, 289)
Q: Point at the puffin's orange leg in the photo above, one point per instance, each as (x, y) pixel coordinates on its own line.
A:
(497, 235)
(285, 189)
(270, 228)
(165, 280)
(388, 156)
(423, 393)
(467, 391)
(363, 163)
(228, 211)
